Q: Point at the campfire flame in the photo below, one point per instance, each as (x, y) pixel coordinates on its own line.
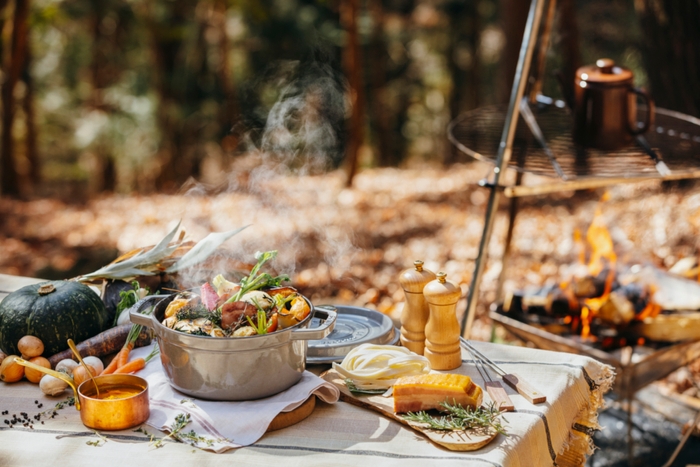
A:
(602, 254)
(601, 244)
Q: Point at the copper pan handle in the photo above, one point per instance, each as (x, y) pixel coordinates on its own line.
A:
(55, 374)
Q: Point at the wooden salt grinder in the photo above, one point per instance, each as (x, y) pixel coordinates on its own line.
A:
(442, 331)
(415, 313)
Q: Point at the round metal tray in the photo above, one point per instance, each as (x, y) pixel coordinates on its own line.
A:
(354, 326)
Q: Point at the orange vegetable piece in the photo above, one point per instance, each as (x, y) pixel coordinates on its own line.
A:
(80, 374)
(34, 376)
(11, 371)
(135, 365)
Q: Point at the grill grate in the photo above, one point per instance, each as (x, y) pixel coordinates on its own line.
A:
(674, 136)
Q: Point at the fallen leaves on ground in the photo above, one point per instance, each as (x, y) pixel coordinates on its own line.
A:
(349, 245)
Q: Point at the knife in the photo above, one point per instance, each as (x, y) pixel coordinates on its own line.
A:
(537, 133)
(661, 166)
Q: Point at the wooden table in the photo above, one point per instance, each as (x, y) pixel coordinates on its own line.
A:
(335, 434)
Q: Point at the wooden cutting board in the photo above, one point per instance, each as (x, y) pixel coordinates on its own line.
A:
(464, 440)
(285, 419)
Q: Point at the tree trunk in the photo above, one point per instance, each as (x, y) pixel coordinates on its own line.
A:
(378, 107)
(30, 119)
(514, 17)
(353, 70)
(463, 63)
(170, 72)
(671, 54)
(570, 48)
(9, 180)
(228, 115)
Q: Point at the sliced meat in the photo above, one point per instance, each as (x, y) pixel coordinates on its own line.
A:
(233, 313)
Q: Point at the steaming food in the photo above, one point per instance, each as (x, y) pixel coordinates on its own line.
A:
(257, 305)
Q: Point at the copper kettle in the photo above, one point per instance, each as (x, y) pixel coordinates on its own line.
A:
(605, 106)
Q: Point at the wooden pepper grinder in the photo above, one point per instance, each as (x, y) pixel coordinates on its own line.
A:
(442, 331)
(415, 313)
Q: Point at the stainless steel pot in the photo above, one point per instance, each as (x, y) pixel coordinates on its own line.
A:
(241, 368)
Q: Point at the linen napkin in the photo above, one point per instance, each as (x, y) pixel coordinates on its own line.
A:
(223, 425)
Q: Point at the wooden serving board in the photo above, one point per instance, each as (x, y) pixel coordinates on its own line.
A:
(464, 440)
(285, 419)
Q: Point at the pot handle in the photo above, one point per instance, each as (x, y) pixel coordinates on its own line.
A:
(134, 312)
(328, 317)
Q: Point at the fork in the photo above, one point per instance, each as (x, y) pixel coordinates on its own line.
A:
(494, 388)
(512, 379)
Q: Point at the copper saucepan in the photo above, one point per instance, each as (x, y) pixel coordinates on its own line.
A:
(122, 403)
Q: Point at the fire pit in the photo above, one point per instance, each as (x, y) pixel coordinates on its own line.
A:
(636, 365)
(633, 318)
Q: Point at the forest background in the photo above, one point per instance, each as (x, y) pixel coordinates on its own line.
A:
(133, 96)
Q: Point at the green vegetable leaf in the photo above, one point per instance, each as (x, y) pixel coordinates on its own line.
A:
(253, 281)
(128, 298)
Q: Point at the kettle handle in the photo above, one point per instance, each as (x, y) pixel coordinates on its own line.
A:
(650, 112)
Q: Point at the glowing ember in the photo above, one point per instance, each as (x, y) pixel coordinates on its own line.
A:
(585, 323)
(651, 310)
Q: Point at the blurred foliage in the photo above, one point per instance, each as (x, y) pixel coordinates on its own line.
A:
(137, 96)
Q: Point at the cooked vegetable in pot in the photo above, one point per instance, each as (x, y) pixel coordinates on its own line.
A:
(257, 305)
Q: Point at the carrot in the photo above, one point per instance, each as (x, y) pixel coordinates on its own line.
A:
(104, 343)
(123, 356)
(131, 367)
(114, 364)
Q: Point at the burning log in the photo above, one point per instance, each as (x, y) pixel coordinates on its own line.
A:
(617, 309)
(589, 286)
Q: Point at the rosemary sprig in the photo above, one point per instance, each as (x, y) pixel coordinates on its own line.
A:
(197, 311)
(355, 390)
(460, 418)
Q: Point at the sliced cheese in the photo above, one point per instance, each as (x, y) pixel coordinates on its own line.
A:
(425, 392)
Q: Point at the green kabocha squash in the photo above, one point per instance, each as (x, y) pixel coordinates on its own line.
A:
(53, 311)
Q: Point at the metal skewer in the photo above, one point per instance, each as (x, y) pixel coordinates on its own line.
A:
(494, 388)
(512, 379)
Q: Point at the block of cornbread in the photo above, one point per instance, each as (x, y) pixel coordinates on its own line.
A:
(425, 392)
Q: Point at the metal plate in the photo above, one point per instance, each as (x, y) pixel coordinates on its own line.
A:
(353, 327)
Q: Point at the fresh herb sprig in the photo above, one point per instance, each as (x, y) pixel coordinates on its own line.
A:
(460, 418)
(194, 312)
(255, 281)
(355, 390)
(177, 434)
(98, 442)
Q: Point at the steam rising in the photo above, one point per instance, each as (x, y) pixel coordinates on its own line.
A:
(271, 186)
